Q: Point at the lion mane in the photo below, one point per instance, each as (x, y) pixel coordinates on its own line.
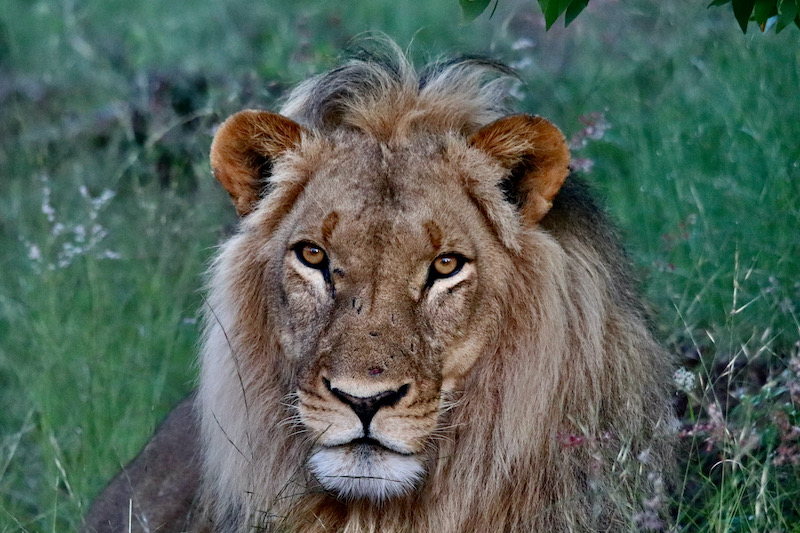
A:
(423, 323)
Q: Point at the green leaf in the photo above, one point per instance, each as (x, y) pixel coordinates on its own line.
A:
(553, 9)
(719, 3)
(471, 9)
(742, 10)
(574, 9)
(787, 11)
(543, 5)
(764, 9)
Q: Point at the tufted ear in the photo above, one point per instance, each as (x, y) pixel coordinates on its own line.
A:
(536, 156)
(243, 152)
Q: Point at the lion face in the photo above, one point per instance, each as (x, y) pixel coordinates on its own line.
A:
(384, 268)
(382, 282)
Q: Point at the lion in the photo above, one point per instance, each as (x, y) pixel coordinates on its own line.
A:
(423, 323)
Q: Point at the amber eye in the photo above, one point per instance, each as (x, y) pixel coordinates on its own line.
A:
(446, 265)
(311, 255)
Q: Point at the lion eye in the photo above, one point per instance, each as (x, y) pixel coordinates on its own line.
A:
(311, 255)
(446, 265)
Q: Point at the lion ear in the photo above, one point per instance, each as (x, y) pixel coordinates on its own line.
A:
(243, 152)
(536, 155)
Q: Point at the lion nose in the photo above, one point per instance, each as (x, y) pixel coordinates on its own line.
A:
(365, 408)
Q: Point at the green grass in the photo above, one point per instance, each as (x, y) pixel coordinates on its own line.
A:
(700, 166)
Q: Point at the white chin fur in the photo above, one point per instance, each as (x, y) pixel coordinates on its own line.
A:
(361, 471)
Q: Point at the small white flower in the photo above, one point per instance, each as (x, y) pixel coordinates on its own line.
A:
(80, 233)
(34, 253)
(684, 379)
(99, 202)
(644, 456)
(108, 254)
(521, 64)
(72, 240)
(70, 250)
(522, 44)
(48, 210)
(98, 233)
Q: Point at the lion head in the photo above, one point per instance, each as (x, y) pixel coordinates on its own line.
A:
(418, 305)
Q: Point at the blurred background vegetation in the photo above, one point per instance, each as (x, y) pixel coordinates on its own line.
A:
(689, 130)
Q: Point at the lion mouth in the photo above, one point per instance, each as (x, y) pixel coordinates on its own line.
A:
(369, 445)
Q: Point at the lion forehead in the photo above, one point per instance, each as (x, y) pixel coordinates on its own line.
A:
(387, 195)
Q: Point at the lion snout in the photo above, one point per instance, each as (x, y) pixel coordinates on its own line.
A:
(366, 407)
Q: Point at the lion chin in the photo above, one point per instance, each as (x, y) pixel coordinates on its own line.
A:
(365, 470)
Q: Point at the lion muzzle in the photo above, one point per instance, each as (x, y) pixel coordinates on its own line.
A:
(365, 408)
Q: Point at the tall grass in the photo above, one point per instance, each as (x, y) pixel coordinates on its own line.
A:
(699, 163)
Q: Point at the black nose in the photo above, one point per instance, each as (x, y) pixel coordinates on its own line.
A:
(365, 408)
